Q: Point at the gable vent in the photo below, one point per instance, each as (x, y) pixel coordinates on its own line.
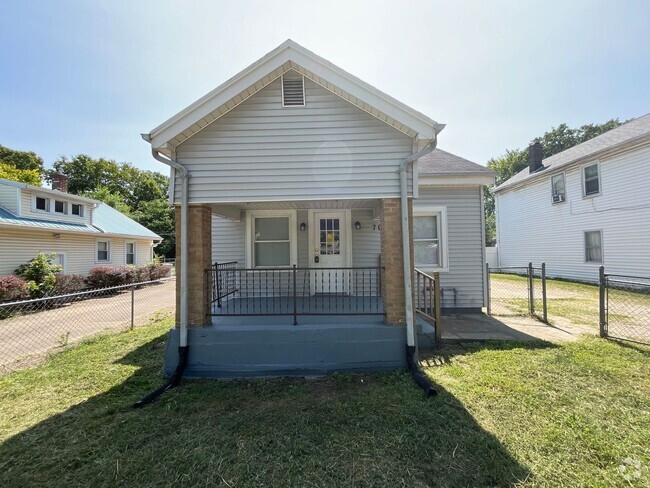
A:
(293, 91)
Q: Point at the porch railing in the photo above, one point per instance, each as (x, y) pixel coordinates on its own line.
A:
(427, 298)
(294, 291)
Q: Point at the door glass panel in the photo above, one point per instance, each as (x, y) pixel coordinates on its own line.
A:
(330, 236)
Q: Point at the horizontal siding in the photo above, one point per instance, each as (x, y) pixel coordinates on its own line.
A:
(27, 211)
(9, 198)
(19, 246)
(531, 228)
(263, 151)
(465, 246)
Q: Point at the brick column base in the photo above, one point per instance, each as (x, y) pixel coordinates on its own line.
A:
(199, 236)
(392, 289)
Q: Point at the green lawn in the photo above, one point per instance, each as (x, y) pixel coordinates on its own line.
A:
(534, 414)
(576, 302)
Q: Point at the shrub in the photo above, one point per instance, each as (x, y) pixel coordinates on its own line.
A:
(13, 288)
(39, 274)
(158, 271)
(68, 283)
(105, 276)
(141, 273)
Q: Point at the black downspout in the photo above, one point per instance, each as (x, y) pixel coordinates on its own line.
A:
(174, 381)
(420, 379)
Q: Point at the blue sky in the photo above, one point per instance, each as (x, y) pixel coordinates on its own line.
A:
(90, 76)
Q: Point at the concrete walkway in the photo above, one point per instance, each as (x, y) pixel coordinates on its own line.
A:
(480, 327)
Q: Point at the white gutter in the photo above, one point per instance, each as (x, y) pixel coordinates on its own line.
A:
(406, 234)
(184, 252)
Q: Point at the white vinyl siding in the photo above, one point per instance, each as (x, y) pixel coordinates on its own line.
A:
(27, 207)
(464, 245)
(9, 196)
(530, 228)
(20, 245)
(262, 151)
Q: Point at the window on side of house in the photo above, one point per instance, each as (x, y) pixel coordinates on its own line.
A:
(77, 209)
(428, 239)
(590, 180)
(60, 207)
(130, 253)
(41, 203)
(103, 253)
(271, 241)
(558, 187)
(594, 246)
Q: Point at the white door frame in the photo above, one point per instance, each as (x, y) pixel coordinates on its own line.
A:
(346, 223)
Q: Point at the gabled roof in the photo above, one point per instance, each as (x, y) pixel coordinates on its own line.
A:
(290, 56)
(633, 132)
(110, 221)
(439, 162)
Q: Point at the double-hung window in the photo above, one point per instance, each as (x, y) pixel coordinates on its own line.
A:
(590, 180)
(558, 187)
(594, 246)
(103, 251)
(429, 238)
(130, 253)
(272, 239)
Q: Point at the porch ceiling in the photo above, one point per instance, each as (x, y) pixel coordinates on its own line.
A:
(230, 210)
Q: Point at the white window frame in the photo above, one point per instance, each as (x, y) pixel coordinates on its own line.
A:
(135, 252)
(81, 209)
(62, 253)
(251, 215)
(563, 175)
(65, 207)
(304, 95)
(48, 204)
(584, 181)
(602, 247)
(439, 211)
(109, 249)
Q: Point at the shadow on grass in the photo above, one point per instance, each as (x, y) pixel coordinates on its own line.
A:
(445, 352)
(368, 430)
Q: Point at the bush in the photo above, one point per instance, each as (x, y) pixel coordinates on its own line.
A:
(13, 288)
(105, 276)
(158, 271)
(39, 274)
(68, 283)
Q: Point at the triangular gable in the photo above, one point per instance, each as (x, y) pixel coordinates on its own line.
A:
(290, 56)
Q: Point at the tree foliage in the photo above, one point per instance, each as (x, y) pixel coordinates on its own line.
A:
(30, 176)
(556, 140)
(22, 160)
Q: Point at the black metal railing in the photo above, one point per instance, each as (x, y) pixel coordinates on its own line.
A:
(294, 291)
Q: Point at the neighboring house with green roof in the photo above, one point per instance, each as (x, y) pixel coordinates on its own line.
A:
(82, 232)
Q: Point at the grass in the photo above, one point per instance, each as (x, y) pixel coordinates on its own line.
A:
(534, 414)
(575, 302)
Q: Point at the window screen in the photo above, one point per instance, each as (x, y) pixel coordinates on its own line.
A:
(272, 246)
(426, 240)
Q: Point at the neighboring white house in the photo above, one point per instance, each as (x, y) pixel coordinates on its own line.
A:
(295, 162)
(82, 232)
(580, 209)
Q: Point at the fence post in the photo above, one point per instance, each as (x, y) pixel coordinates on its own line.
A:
(601, 301)
(295, 305)
(544, 303)
(531, 294)
(436, 305)
(132, 306)
(487, 289)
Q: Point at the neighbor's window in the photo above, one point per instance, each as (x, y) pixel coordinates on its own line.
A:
(558, 185)
(272, 245)
(130, 253)
(103, 251)
(591, 180)
(426, 240)
(77, 209)
(594, 246)
(60, 207)
(42, 204)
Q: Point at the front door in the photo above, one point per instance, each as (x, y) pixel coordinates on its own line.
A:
(330, 252)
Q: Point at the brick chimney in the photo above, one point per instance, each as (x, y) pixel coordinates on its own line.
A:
(535, 156)
(59, 182)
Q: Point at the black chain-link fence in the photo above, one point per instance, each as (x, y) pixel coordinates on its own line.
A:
(30, 329)
(517, 291)
(625, 307)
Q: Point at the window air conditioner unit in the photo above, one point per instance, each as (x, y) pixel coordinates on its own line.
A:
(558, 198)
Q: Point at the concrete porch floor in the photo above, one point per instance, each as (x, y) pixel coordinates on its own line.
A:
(481, 327)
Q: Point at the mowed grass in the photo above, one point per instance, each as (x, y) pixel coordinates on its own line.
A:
(530, 414)
(576, 302)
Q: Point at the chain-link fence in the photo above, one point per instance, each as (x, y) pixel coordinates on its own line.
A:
(517, 291)
(30, 329)
(625, 307)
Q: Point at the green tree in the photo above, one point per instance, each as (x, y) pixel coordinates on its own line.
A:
(103, 194)
(556, 140)
(30, 176)
(22, 160)
(39, 274)
(158, 216)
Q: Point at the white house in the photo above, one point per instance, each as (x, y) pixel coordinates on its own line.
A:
(583, 208)
(82, 232)
(302, 205)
